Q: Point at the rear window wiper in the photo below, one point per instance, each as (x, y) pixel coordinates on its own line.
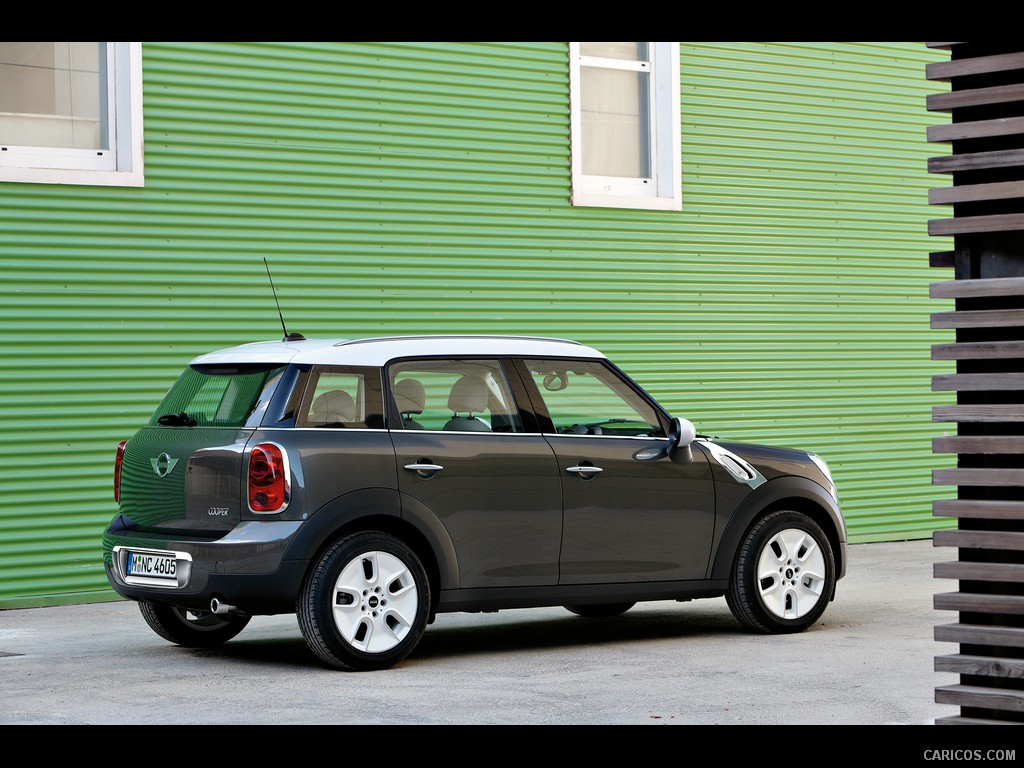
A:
(180, 419)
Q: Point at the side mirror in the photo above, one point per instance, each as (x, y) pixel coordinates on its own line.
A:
(680, 435)
(680, 438)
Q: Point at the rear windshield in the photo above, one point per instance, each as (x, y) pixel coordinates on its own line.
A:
(218, 397)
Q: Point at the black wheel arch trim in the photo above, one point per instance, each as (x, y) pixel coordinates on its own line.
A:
(347, 512)
(790, 492)
(430, 527)
(323, 525)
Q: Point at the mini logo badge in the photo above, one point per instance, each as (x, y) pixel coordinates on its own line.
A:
(163, 464)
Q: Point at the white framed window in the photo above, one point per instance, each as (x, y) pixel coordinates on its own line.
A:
(71, 113)
(624, 124)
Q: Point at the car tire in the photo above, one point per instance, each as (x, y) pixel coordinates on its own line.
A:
(365, 603)
(784, 574)
(192, 629)
(600, 611)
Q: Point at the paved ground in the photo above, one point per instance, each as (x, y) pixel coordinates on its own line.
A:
(869, 661)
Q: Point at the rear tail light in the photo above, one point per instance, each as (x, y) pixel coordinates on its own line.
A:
(117, 470)
(269, 481)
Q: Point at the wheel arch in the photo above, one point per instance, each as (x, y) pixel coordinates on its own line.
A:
(795, 493)
(373, 509)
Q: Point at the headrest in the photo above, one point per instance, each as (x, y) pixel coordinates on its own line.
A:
(409, 396)
(469, 395)
(336, 405)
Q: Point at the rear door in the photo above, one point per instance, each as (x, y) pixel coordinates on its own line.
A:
(468, 460)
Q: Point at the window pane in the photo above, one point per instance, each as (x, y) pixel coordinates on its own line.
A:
(625, 51)
(53, 95)
(615, 122)
(344, 398)
(454, 395)
(217, 399)
(588, 399)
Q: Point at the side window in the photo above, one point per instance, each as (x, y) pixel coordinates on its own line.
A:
(71, 113)
(625, 125)
(343, 397)
(454, 396)
(588, 398)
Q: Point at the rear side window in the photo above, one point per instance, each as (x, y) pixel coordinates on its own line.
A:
(218, 397)
(454, 395)
(348, 397)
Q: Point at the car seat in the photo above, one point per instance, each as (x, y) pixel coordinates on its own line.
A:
(333, 407)
(410, 399)
(468, 396)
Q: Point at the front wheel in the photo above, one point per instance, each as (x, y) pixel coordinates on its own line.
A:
(784, 574)
(192, 629)
(365, 603)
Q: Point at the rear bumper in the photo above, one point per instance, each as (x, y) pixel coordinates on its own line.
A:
(246, 569)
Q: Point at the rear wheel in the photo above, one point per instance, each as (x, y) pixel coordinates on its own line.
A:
(365, 604)
(601, 611)
(784, 574)
(192, 629)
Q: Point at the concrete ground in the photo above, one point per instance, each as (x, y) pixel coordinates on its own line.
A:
(869, 661)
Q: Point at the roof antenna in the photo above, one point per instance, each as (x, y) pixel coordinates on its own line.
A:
(287, 336)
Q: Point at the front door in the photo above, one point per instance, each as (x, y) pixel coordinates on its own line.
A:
(624, 520)
(631, 520)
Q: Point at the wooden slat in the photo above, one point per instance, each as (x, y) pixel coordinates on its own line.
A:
(1003, 540)
(976, 129)
(979, 508)
(978, 413)
(945, 70)
(974, 97)
(978, 350)
(982, 698)
(969, 571)
(972, 602)
(965, 225)
(986, 666)
(978, 382)
(989, 477)
(981, 318)
(976, 161)
(942, 259)
(994, 444)
(973, 193)
(973, 289)
(958, 720)
(980, 634)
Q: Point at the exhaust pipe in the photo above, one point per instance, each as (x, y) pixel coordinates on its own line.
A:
(219, 607)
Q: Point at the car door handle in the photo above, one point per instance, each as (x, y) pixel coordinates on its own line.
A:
(584, 471)
(424, 470)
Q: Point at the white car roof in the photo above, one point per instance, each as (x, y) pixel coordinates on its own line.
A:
(381, 350)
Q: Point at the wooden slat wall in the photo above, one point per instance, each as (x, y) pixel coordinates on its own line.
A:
(986, 166)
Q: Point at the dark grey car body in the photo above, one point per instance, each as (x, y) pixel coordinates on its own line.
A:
(521, 512)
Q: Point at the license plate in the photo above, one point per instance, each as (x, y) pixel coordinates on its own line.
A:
(154, 565)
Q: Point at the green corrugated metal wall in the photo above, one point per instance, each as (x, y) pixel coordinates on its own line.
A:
(423, 187)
